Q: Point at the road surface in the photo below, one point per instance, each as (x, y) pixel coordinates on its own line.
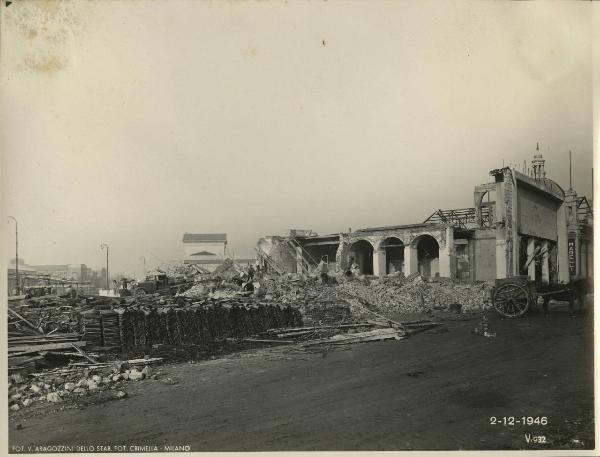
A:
(436, 390)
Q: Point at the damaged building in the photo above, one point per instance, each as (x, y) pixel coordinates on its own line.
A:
(522, 223)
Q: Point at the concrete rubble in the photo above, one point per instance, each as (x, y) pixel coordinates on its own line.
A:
(60, 384)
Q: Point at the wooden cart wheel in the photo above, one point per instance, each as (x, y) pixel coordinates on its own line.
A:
(511, 300)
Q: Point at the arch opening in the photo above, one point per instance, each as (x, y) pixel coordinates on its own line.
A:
(361, 252)
(428, 256)
(394, 255)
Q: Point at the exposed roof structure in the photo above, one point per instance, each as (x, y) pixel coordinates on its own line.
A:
(584, 209)
(389, 227)
(205, 237)
(463, 217)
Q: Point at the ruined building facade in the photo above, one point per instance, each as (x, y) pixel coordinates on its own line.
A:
(521, 224)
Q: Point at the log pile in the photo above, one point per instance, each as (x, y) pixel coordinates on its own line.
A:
(137, 327)
(92, 327)
(327, 312)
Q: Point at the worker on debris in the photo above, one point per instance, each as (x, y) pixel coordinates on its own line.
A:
(323, 270)
(354, 269)
(250, 273)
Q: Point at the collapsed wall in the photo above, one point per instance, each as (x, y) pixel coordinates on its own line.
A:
(278, 254)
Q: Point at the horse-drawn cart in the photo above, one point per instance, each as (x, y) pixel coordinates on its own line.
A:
(513, 297)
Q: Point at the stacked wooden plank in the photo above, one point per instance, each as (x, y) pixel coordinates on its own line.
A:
(92, 327)
(24, 351)
(199, 324)
(111, 333)
(326, 312)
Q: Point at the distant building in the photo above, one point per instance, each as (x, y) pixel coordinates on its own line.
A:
(53, 275)
(205, 249)
(57, 271)
(27, 276)
(208, 250)
(205, 246)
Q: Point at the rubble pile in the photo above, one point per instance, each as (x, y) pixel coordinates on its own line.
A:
(178, 270)
(228, 270)
(392, 294)
(196, 291)
(56, 386)
(415, 294)
(288, 288)
(212, 289)
(47, 314)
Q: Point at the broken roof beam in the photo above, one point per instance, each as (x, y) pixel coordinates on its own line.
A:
(461, 217)
(487, 187)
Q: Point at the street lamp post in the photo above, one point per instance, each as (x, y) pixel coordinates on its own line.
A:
(16, 253)
(102, 246)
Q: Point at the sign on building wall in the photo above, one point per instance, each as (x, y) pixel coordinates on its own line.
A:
(572, 258)
(537, 214)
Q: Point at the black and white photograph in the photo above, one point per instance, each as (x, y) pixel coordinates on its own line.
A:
(274, 226)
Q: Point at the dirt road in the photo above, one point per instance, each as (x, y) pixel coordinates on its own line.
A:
(433, 391)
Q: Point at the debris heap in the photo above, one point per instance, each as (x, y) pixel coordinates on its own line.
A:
(414, 294)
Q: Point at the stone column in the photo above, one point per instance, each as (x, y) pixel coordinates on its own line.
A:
(590, 259)
(447, 254)
(546, 262)
(530, 259)
(379, 262)
(577, 256)
(562, 248)
(500, 219)
(583, 262)
(411, 262)
(341, 255)
(299, 260)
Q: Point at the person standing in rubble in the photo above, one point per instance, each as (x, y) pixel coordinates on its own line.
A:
(354, 269)
(324, 270)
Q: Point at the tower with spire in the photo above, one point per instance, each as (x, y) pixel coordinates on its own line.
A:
(538, 163)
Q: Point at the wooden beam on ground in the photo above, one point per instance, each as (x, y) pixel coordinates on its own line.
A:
(254, 340)
(14, 313)
(373, 335)
(45, 347)
(17, 361)
(23, 342)
(46, 336)
(321, 327)
(84, 354)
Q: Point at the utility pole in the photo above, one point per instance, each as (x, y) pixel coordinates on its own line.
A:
(570, 180)
(17, 254)
(102, 246)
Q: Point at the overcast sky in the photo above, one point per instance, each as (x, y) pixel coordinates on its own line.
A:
(132, 122)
